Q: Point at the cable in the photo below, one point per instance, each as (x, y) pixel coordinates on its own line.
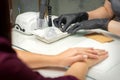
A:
(49, 14)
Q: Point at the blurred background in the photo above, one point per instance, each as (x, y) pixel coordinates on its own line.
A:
(58, 6)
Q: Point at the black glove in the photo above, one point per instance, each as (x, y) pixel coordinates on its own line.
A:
(89, 24)
(65, 20)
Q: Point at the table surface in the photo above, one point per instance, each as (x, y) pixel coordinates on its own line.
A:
(30, 43)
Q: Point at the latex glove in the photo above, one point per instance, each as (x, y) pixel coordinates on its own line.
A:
(65, 20)
(89, 24)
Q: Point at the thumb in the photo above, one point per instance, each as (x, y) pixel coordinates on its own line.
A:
(55, 21)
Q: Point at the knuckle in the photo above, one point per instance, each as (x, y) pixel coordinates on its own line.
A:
(75, 50)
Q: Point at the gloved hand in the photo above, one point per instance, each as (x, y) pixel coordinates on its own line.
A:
(65, 20)
(89, 24)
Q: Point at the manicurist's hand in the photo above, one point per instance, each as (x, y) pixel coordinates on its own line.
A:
(65, 20)
(89, 24)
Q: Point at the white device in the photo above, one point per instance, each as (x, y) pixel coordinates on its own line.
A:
(27, 22)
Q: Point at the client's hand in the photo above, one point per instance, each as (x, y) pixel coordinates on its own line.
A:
(80, 69)
(102, 55)
(73, 55)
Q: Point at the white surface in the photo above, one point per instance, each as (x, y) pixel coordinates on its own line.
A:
(115, 74)
(32, 44)
(104, 69)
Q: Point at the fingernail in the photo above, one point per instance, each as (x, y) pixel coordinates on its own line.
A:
(85, 56)
(66, 67)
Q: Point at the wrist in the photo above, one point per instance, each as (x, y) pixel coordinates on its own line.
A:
(105, 25)
(78, 70)
(55, 61)
(46, 61)
(52, 61)
(82, 63)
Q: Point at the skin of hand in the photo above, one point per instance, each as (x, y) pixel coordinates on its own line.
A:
(113, 27)
(66, 58)
(80, 69)
(73, 55)
(102, 56)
